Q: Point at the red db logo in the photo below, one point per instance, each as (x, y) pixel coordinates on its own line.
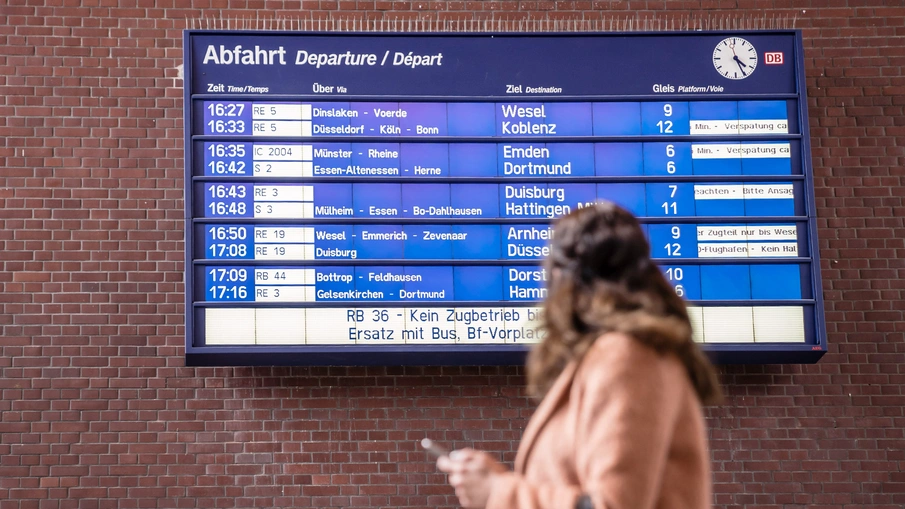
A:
(773, 58)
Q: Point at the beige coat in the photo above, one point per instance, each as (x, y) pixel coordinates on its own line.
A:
(623, 426)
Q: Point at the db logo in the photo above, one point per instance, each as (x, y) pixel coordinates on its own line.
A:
(773, 58)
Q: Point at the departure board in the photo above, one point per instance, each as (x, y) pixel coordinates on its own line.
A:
(388, 198)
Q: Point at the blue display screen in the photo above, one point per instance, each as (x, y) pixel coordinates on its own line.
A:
(388, 199)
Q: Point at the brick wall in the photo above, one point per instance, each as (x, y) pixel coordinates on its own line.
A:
(98, 410)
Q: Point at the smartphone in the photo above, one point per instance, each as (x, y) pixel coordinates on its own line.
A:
(432, 447)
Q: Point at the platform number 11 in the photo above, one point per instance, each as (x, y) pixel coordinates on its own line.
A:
(670, 207)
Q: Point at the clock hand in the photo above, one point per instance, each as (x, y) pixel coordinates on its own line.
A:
(741, 65)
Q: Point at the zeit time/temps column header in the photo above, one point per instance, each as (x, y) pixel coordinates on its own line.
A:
(389, 199)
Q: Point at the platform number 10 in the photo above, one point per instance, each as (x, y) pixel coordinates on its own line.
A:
(665, 126)
(675, 275)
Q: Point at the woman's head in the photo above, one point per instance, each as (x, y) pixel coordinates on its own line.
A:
(603, 248)
(601, 279)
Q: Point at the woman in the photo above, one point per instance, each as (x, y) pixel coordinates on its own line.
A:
(620, 425)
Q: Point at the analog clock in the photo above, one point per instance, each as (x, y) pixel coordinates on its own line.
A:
(735, 58)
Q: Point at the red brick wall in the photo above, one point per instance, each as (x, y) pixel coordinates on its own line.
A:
(98, 411)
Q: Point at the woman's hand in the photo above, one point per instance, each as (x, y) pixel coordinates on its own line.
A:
(471, 474)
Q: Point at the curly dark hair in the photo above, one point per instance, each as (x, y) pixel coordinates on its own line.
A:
(601, 279)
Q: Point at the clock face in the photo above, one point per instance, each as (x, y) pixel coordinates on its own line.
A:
(735, 58)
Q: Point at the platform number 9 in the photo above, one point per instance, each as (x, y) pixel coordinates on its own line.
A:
(666, 125)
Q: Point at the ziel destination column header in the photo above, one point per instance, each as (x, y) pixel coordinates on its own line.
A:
(387, 198)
